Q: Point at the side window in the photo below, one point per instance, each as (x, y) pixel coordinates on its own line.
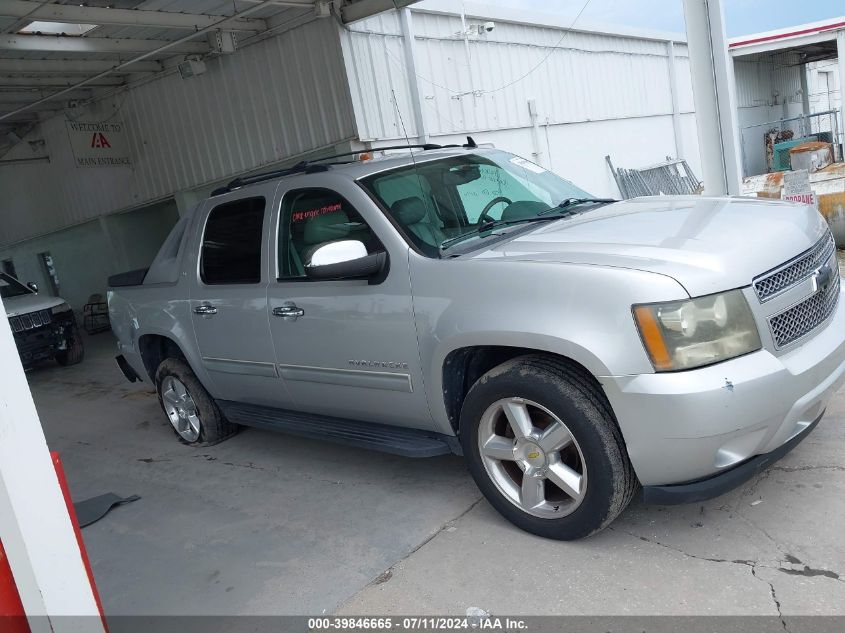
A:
(231, 245)
(311, 218)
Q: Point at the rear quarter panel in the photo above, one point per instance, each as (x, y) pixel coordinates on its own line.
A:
(159, 309)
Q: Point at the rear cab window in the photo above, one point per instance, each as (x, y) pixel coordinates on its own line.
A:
(231, 243)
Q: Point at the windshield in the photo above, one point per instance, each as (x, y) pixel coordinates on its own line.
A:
(437, 201)
(11, 287)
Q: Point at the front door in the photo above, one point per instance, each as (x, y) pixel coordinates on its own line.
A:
(344, 348)
(229, 300)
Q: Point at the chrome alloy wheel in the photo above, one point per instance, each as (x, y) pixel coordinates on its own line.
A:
(180, 408)
(532, 458)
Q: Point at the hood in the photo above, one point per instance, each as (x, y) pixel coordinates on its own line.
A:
(706, 244)
(29, 303)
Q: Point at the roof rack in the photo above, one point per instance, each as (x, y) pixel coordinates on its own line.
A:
(313, 166)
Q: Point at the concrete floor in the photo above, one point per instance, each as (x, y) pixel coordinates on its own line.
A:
(269, 524)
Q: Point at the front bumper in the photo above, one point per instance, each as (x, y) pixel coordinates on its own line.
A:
(716, 485)
(43, 342)
(691, 425)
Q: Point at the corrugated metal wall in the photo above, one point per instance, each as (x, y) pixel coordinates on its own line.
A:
(278, 98)
(582, 77)
(768, 79)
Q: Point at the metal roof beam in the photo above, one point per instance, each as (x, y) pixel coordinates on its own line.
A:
(59, 82)
(21, 95)
(305, 4)
(64, 44)
(74, 14)
(43, 107)
(172, 46)
(65, 66)
(23, 117)
(361, 9)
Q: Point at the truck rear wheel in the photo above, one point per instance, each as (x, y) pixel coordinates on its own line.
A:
(74, 352)
(543, 446)
(195, 417)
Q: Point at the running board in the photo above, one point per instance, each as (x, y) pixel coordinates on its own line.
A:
(377, 437)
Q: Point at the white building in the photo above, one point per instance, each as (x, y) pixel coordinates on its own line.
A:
(307, 86)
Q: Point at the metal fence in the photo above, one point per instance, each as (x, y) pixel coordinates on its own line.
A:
(757, 141)
(672, 177)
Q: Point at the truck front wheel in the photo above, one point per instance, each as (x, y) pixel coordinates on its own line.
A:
(543, 446)
(192, 412)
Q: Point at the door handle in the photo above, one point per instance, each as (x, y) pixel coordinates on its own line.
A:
(205, 309)
(289, 312)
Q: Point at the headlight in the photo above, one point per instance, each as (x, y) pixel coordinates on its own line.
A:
(697, 332)
(62, 307)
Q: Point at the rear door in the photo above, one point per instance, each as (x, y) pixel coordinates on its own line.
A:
(229, 299)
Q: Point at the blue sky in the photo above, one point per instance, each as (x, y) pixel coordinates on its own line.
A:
(741, 16)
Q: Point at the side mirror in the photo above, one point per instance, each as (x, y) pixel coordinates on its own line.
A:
(32, 286)
(344, 259)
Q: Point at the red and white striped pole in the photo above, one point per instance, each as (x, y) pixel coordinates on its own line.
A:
(40, 547)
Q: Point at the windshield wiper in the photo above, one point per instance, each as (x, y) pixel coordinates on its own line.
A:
(574, 202)
(489, 226)
(543, 215)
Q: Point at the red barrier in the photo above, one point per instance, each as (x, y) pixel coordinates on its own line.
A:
(12, 615)
(60, 473)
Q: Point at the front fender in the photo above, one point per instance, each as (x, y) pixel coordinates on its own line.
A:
(578, 311)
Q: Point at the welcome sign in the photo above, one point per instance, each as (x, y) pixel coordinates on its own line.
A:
(99, 144)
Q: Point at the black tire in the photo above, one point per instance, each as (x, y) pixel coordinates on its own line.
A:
(214, 427)
(575, 398)
(74, 352)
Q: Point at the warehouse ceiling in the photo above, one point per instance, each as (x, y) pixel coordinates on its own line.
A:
(48, 48)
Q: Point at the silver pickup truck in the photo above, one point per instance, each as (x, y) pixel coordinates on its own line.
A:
(466, 300)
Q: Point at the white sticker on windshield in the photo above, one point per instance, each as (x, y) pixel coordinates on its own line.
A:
(527, 164)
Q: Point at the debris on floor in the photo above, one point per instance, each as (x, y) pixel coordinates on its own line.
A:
(92, 510)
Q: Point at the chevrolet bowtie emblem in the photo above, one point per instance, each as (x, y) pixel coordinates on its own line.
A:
(822, 278)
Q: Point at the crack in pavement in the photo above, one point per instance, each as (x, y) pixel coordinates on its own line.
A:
(774, 598)
(752, 565)
(388, 573)
(796, 469)
(739, 561)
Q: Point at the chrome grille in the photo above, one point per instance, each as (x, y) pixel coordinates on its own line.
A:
(772, 283)
(802, 318)
(30, 321)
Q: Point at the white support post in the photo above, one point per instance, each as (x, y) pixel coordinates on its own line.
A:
(537, 152)
(34, 523)
(840, 51)
(714, 92)
(410, 46)
(676, 109)
(468, 54)
(805, 90)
